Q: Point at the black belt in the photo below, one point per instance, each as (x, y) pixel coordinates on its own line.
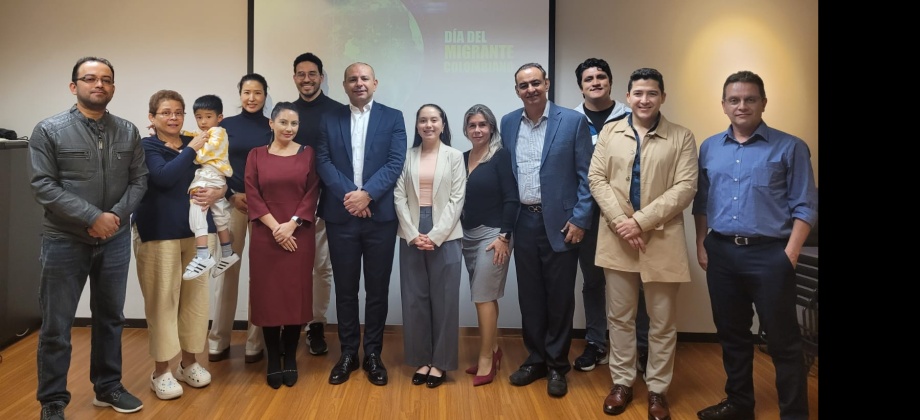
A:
(533, 208)
(745, 240)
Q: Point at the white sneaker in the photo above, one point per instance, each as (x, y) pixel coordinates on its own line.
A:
(165, 386)
(195, 375)
(197, 267)
(224, 264)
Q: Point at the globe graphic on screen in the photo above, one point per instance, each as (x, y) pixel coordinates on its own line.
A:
(382, 33)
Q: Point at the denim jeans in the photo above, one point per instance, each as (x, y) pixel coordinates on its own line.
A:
(66, 264)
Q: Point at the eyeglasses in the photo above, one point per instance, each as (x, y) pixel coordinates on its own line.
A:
(169, 115)
(301, 75)
(91, 80)
(750, 100)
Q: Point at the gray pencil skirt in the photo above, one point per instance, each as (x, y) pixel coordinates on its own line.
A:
(487, 280)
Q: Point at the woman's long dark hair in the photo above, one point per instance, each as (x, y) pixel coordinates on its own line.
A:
(445, 135)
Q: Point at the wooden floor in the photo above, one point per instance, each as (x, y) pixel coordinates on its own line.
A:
(239, 390)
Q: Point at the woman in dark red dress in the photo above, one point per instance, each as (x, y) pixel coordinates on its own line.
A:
(282, 189)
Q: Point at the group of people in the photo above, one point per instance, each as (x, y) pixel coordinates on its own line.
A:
(322, 189)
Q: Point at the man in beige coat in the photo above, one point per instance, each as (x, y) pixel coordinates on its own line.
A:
(643, 175)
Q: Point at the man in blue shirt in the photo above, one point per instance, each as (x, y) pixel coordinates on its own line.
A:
(757, 195)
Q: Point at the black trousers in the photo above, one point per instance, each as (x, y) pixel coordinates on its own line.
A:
(350, 243)
(546, 293)
(759, 275)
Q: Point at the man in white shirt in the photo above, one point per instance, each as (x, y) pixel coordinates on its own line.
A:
(360, 155)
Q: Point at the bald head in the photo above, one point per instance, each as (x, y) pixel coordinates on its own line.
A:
(353, 65)
(360, 84)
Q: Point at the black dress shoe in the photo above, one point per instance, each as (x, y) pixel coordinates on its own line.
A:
(347, 364)
(556, 386)
(725, 410)
(436, 381)
(376, 371)
(526, 374)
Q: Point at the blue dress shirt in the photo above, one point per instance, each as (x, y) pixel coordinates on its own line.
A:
(758, 187)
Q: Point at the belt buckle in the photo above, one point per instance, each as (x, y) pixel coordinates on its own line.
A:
(741, 241)
(535, 208)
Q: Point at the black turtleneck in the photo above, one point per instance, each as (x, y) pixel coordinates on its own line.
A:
(310, 116)
(244, 132)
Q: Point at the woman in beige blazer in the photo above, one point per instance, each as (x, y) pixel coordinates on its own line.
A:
(428, 199)
(643, 241)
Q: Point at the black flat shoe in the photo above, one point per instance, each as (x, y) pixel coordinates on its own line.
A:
(435, 381)
(419, 378)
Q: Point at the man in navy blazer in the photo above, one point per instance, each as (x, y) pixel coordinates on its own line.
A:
(359, 157)
(550, 152)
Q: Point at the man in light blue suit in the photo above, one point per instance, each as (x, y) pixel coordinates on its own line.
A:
(550, 152)
(359, 157)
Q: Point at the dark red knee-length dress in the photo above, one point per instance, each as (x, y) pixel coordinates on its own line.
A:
(281, 282)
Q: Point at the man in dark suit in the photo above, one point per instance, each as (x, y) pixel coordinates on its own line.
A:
(359, 157)
(550, 150)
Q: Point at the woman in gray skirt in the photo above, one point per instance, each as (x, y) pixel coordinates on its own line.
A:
(428, 200)
(489, 213)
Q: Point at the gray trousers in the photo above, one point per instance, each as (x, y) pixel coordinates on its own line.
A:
(430, 289)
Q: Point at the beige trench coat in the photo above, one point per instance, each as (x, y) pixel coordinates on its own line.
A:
(668, 180)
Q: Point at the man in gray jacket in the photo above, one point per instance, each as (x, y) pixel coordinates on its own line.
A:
(89, 174)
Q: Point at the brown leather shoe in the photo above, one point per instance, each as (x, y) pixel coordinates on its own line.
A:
(222, 355)
(658, 407)
(619, 398)
(253, 358)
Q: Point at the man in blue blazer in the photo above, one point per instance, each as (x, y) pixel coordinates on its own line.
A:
(359, 157)
(550, 152)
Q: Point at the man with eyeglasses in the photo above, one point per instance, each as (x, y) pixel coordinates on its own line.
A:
(311, 106)
(754, 207)
(89, 174)
(550, 153)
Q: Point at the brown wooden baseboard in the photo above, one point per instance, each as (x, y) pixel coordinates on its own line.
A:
(577, 333)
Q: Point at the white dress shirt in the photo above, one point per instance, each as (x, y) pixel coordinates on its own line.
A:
(359, 119)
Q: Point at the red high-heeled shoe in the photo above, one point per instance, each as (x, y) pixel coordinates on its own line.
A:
(485, 379)
(497, 359)
(496, 363)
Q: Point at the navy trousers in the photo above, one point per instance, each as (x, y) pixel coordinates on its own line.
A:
(759, 275)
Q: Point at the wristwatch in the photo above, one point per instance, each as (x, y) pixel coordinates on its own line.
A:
(297, 220)
(505, 236)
